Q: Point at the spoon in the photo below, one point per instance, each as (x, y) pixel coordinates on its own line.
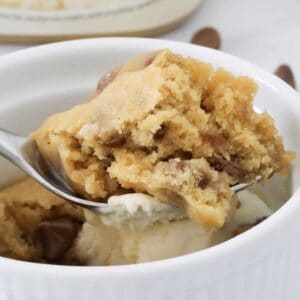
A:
(23, 153)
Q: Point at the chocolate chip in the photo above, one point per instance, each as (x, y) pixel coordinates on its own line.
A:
(115, 141)
(121, 191)
(238, 204)
(204, 180)
(106, 80)
(285, 73)
(233, 168)
(207, 37)
(160, 133)
(217, 163)
(56, 237)
(204, 104)
(183, 155)
(171, 195)
(149, 61)
(148, 150)
(180, 165)
(205, 107)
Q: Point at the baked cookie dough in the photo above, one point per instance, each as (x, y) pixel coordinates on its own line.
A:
(171, 127)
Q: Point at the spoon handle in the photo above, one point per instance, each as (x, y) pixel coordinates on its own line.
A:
(10, 146)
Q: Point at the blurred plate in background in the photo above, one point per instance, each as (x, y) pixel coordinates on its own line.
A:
(107, 18)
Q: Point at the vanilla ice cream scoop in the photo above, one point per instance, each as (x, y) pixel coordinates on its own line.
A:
(140, 229)
(140, 210)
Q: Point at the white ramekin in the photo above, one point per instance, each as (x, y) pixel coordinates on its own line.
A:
(263, 263)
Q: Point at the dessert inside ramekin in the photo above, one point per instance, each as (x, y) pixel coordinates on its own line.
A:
(162, 140)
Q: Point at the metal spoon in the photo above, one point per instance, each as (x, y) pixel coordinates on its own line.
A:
(23, 152)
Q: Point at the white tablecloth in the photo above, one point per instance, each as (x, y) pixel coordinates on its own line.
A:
(266, 32)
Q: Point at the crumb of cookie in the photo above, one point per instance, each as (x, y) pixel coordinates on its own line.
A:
(158, 107)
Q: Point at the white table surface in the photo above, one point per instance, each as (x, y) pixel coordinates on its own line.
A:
(266, 32)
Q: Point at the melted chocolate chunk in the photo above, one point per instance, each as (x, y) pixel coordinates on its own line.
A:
(160, 133)
(116, 141)
(185, 155)
(203, 104)
(121, 191)
(204, 180)
(172, 195)
(106, 80)
(233, 168)
(149, 61)
(149, 149)
(57, 237)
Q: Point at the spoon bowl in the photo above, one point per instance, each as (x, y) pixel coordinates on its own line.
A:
(23, 153)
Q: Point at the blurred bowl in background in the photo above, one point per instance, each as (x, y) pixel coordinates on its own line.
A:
(109, 18)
